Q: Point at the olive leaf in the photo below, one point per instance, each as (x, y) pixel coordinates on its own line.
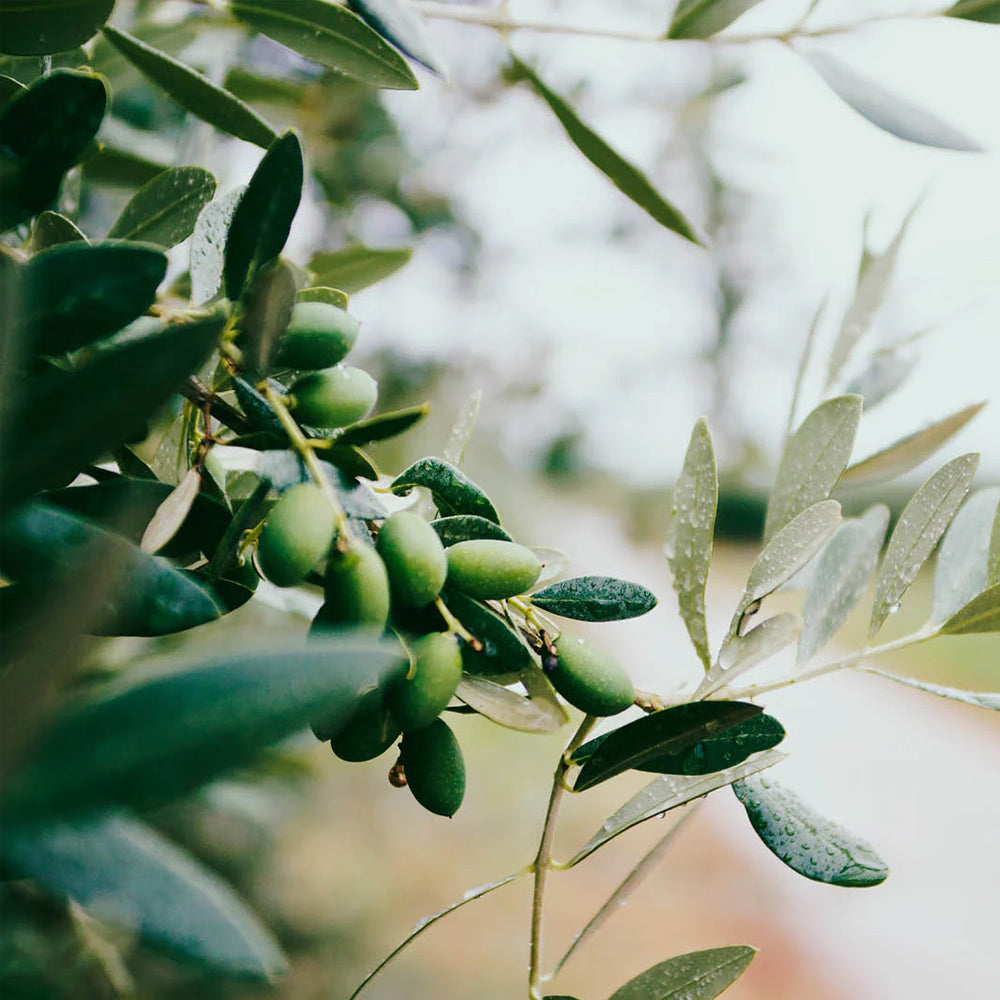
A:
(399, 23)
(813, 460)
(453, 491)
(630, 181)
(805, 841)
(330, 35)
(981, 699)
(504, 653)
(319, 293)
(690, 532)
(595, 599)
(51, 229)
(355, 268)
(987, 11)
(267, 310)
(981, 614)
(462, 428)
(208, 246)
(465, 527)
(41, 27)
(193, 91)
(703, 18)
(740, 653)
(698, 975)
(171, 514)
(383, 426)
(922, 523)
(165, 210)
(910, 451)
(993, 569)
(885, 372)
(119, 868)
(507, 708)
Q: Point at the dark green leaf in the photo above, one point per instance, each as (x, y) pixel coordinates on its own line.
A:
(510, 709)
(981, 614)
(258, 410)
(805, 841)
(504, 652)
(355, 268)
(453, 491)
(330, 35)
(385, 425)
(267, 311)
(51, 229)
(464, 527)
(161, 737)
(263, 217)
(122, 870)
(358, 500)
(332, 296)
(630, 181)
(353, 462)
(987, 11)
(78, 293)
(698, 975)
(703, 18)
(670, 731)
(962, 566)
(171, 37)
(64, 420)
(192, 91)
(595, 599)
(981, 699)
(41, 27)
(45, 130)
(164, 210)
(9, 87)
(208, 246)
(147, 596)
(401, 24)
(121, 168)
(886, 109)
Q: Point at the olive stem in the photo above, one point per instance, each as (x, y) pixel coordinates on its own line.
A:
(454, 625)
(543, 859)
(308, 455)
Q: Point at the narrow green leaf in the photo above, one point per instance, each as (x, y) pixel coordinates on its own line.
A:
(703, 18)
(453, 491)
(595, 599)
(385, 425)
(332, 296)
(987, 11)
(741, 653)
(885, 109)
(698, 975)
(355, 268)
(208, 246)
(41, 27)
(962, 566)
(147, 595)
(669, 731)
(164, 211)
(910, 451)
(263, 217)
(462, 428)
(843, 573)
(504, 652)
(123, 871)
(993, 570)
(10, 88)
(922, 523)
(669, 792)
(171, 514)
(690, 533)
(981, 699)
(630, 181)
(465, 527)
(887, 370)
(805, 841)
(63, 420)
(813, 460)
(121, 168)
(171, 37)
(152, 740)
(399, 23)
(508, 708)
(330, 35)
(267, 310)
(981, 614)
(192, 91)
(554, 562)
(51, 229)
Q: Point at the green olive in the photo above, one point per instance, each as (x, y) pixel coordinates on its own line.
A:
(318, 336)
(356, 589)
(368, 733)
(490, 569)
(590, 679)
(435, 768)
(333, 397)
(414, 558)
(296, 536)
(417, 701)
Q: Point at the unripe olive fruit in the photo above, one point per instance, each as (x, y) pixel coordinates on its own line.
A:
(333, 397)
(318, 336)
(356, 589)
(490, 569)
(414, 558)
(368, 733)
(296, 536)
(590, 679)
(435, 768)
(417, 701)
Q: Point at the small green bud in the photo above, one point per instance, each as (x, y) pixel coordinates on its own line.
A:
(417, 701)
(414, 558)
(318, 336)
(435, 768)
(333, 397)
(490, 569)
(590, 679)
(297, 535)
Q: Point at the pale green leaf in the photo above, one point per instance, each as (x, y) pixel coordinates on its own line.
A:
(171, 513)
(462, 428)
(741, 653)
(910, 451)
(690, 532)
(505, 707)
(885, 372)
(981, 614)
(208, 246)
(329, 34)
(886, 109)
(192, 91)
(981, 699)
(126, 873)
(629, 180)
(320, 293)
(843, 573)
(165, 210)
(962, 560)
(355, 268)
(698, 975)
(814, 459)
(920, 526)
(993, 571)
(703, 18)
